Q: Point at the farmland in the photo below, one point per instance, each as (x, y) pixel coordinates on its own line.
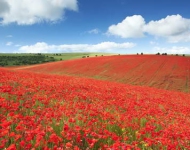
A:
(20, 59)
(163, 72)
(42, 111)
(94, 75)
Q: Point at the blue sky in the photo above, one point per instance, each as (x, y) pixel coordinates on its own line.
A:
(116, 26)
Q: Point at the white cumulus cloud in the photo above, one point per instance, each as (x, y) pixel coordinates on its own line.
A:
(4, 7)
(130, 27)
(42, 47)
(27, 12)
(173, 28)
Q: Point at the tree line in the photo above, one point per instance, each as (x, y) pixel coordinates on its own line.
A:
(24, 60)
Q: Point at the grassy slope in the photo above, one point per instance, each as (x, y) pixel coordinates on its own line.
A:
(63, 56)
(69, 56)
(164, 72)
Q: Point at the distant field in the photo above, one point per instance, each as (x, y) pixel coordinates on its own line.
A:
(16, 59)
(164, 72)
(69, 56)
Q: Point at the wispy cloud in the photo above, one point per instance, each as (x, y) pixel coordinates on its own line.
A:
(42, 47)
(18, 45)
(153, 43)
(9, 36)
(9, 43)
(172, 50)
(94, 31)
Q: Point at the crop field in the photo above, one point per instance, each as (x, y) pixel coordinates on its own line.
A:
(94, 75)
(41, 111)
(163, 72)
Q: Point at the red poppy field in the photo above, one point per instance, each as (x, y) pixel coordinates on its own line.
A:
(163, 72)
(46, 111)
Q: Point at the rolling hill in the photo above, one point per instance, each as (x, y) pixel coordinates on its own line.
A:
(163, 72)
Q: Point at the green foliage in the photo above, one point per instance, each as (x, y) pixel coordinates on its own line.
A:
(16, 60)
